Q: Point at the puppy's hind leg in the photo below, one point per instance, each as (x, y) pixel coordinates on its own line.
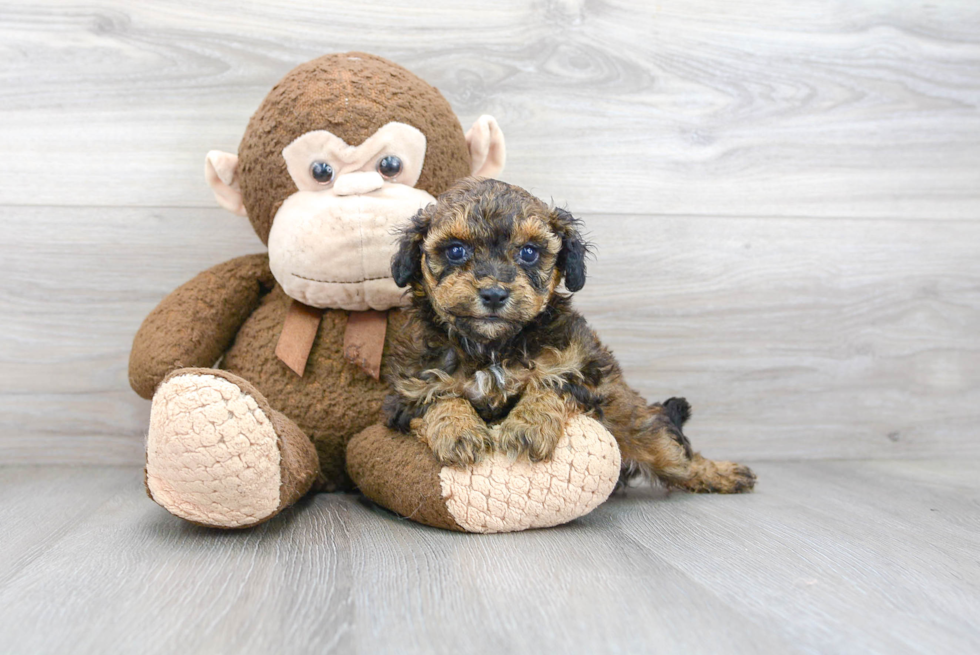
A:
(651, 439)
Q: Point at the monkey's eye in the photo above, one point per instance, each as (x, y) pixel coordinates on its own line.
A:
(390, 166)
(529, 254)
(457, 253)
(322, 172)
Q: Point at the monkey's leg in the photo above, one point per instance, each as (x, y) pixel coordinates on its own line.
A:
(218, 455)
(650, 438)
(498, 495)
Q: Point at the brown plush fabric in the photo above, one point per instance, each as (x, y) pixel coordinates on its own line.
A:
(332, 401)
(195, 324)
(399, 472)
(364, 340)
(297, 335)
(351, 95)
(231, 315)
(292, 454)
(299, 466)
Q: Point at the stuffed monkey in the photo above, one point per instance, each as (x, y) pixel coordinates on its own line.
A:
(264, 368)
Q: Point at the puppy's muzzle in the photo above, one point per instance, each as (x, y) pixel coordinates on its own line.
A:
(493, 298)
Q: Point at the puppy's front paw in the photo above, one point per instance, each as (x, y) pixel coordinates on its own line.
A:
(460, 448)
(530, 433)
(456, 437)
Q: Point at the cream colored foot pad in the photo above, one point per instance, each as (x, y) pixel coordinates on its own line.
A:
(499, 495)
(212, 456)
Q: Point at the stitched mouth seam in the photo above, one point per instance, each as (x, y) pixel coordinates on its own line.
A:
(367, 279)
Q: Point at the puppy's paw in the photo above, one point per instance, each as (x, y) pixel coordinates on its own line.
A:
(455, 438)
(461, 449)
(530, 433)
(720, 478)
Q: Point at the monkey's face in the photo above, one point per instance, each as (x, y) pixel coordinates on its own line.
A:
(488, 256)
(331, 241)
(340, 153)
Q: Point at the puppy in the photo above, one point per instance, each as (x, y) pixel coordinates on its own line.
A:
(495, 359)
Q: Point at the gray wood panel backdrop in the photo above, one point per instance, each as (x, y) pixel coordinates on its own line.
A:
(785, 196)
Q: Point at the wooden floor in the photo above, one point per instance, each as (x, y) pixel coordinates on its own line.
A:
(826, 557)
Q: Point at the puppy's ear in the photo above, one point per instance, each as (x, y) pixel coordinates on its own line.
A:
(574, 249)
(406, 265)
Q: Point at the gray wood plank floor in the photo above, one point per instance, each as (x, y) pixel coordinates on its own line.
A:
(786, 203)
(826, 557)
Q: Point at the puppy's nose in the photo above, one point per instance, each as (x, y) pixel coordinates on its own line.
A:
(494, 297)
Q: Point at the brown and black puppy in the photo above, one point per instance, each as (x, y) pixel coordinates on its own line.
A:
(496, 359)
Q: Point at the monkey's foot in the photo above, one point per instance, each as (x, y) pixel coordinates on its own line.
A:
(218, 455)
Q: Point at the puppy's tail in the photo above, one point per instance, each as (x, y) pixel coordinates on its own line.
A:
(678, 410)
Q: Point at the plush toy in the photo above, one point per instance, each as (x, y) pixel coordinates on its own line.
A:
(266, 372)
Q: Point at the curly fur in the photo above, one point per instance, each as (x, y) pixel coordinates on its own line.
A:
(471, 376)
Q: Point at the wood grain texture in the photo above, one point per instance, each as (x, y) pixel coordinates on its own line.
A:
(791, 337)
(41, 505)
(825, 557)
(814, 108)
(798, 338)
(785, 198)
(845, 557)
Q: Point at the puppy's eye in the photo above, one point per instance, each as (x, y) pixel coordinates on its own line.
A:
(322, 172)
(529, 254)
(457, 253)
(390, 166)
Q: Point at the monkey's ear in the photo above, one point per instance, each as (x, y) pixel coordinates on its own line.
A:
(221, 172)
(574, 249)
(487, 150)
(406, 265)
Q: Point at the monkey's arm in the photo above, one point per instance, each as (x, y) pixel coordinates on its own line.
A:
(197, 322)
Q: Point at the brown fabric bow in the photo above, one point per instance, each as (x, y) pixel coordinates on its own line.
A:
(364, 338)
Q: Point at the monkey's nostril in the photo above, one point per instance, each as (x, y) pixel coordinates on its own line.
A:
(494, 297)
